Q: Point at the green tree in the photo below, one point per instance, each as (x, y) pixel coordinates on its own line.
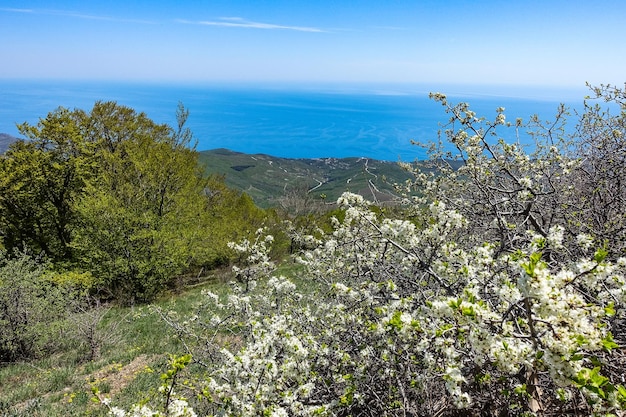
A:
(229, 216)
(40, 181)
(113, 193)
(141, 218)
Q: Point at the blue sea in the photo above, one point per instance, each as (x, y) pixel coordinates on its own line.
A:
(286, 121)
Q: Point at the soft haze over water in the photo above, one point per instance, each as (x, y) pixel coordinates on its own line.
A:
(375, 122)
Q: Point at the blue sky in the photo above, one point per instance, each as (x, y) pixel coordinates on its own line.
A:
(527, 43)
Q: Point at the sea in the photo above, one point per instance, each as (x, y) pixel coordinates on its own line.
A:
(291, 121)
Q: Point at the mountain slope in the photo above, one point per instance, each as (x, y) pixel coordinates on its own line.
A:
(266, 178)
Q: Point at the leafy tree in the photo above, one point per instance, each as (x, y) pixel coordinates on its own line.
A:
(40, 182)
(141, 218)
(111, 192)
(229, 216)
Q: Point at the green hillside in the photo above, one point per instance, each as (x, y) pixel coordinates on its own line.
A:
(266, 178)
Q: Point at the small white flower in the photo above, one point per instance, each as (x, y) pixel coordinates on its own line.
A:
(584, 241)
(117, 412)
(525, 182)
(555, 236)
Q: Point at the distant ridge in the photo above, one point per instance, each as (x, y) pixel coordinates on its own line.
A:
(5, 141)
(267, 178)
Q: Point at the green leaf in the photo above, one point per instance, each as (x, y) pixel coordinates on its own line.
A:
(468, 311)
(609, 310)
(621, 395)
(535, 257)
(608, 343)
(600, 255)
(534, 260)
(395, 322)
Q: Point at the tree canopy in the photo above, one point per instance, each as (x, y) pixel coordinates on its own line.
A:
(111, 192)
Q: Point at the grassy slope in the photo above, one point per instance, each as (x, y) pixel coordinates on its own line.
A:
(129, 367)
(265, 177)
(127, 370)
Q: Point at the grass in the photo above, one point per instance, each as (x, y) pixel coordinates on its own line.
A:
(129, 364)
(127, 368)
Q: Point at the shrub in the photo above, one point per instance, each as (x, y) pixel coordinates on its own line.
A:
(406, 320)
(572, 178)
(31, 308)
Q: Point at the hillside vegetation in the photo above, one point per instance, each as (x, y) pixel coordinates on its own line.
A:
(496, 287)
(116, 203)
(267, 178)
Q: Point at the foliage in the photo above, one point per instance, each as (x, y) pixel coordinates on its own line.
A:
(32, 308)
(230, 215)
(140, 216)
(115, 195)
(40, 181)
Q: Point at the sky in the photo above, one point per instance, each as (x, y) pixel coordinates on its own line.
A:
(525, 43)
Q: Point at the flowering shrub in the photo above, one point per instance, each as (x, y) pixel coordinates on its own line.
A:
(492, 304)
(254, 259)
(406, 320)
(572, 178)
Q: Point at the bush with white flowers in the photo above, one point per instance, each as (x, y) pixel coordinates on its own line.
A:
(406, 320)
(498, 306)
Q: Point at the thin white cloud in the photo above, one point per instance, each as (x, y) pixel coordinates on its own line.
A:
(76, 15)
(7, 9)
(238, 22)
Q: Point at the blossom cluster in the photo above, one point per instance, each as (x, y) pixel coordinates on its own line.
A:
(177, 408)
